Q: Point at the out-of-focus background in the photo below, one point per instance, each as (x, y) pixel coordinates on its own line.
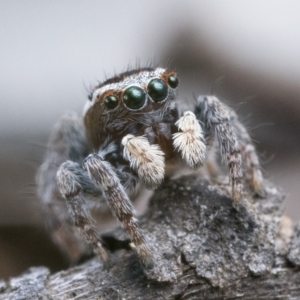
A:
(245, 52)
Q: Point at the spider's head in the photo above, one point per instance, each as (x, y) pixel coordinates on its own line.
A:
(137, 96)
(137, 90)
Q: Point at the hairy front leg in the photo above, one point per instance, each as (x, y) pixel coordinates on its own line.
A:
(98, 181)
(72, 181)
(103, 176)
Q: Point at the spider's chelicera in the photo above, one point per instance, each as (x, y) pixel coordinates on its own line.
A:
(132, 136)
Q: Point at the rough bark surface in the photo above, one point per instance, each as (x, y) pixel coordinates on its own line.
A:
(203, 248)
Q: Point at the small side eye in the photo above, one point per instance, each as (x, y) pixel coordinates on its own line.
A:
(173, 81)
(157, 90)
(111, 102)
(134, 97)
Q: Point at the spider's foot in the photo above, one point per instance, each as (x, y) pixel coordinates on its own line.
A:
(101, 252)
(257, 183)
(237, 190)
(146, 257)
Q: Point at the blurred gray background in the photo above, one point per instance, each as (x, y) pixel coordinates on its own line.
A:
(245, 52)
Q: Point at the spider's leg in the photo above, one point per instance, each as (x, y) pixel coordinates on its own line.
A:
(105, 178)
(189, 141)
(147, 160)
(73, 182)
(248, 152)
(211, 165)
(216, 119)
(67, 142)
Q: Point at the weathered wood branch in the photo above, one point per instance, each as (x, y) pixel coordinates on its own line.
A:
(203, 248)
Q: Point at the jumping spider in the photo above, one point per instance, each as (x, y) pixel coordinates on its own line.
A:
(132, 136)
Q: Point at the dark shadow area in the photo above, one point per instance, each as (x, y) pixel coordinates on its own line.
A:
(22, 247)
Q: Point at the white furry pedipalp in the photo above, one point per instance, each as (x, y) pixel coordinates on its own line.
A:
(148, 160)
(190, 142)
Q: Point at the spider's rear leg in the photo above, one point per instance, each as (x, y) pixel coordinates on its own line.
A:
(190, 141)
(67, 142)
(103, 177)
(216, 119)
(254, 166)
(248, 152)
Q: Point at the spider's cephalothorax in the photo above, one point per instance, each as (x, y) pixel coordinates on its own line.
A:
(131, 103)
(131, 136)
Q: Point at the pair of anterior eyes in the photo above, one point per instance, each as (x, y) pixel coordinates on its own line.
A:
(135, 97)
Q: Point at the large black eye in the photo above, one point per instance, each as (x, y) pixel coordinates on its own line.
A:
(173, 81)
(134, 97)
(157, 90)
(111, 102)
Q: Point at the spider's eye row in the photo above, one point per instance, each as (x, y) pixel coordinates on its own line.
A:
(111, 102)
(134, 97)
(157, 90)
(173, 81)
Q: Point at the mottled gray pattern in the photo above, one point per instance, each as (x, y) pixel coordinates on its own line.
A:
(221, 242)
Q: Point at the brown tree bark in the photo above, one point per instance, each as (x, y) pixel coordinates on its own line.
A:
(203, 248)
